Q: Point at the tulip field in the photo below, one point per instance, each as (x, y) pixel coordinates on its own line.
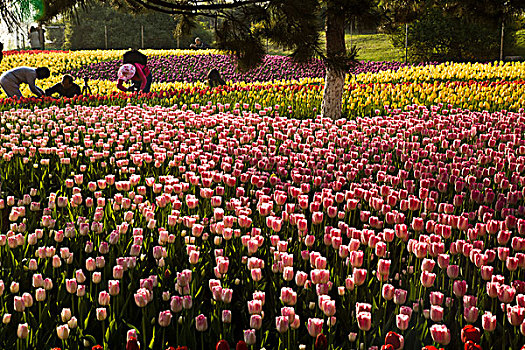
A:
(191, 217)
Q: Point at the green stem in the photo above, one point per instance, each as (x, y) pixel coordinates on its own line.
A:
(104, 335)
(144, 327)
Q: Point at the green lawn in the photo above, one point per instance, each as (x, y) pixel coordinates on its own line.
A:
(519, 50)
(373, 47)
(378, 47)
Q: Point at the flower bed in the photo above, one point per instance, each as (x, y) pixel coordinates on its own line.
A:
(302, 99)
(193, 68)
(190, 224)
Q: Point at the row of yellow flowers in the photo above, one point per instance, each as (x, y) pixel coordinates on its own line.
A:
(304, 98)
(493, 71)
(61, 61)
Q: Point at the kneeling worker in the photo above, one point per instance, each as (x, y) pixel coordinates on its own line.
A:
(66, 88)
(11, 80)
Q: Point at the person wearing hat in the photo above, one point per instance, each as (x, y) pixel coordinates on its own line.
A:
(138, 74)
(11, 80)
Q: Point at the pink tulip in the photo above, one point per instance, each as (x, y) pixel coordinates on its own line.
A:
(300, 278)
(400, 296)
(142, 297)
(428, 265)
(250, 336)
(436, 313)
(383, 267)
(515, 315)
(356, 258)
(282, 324)
(40, 294)
(359, 276)
(22, 331)
(63, 331)
(226, 316)
(460, 288)
(440, 334)
(436, 298)
(328, 307)
(104, 298)
(201, 323)
(38, 281)
(27, 299)
(388, 291)
(315, 326)
(488, 321)
(187, 302)
(402, 321)
(255, 306)
(102, 313)
(164, 318)
(18, 304)
(506, 293)
(256, 274)
(427, 278)
(364, 321)
(486, 272)
(453, 271)
(113, 287)
(90, 264)
(470, 314)
(65, 314)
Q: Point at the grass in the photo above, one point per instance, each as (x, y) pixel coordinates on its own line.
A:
(372, 47)
(519, 49)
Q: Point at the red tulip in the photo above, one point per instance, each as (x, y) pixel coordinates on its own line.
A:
(394, 339)
(470, 333)
(470, 345)
(132, 344)
(222, 345)
(321, 343)
(241, 345)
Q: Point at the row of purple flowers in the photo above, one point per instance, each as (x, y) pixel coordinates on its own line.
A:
(192, 68)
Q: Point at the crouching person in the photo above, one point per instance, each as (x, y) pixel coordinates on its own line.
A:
(66, 88)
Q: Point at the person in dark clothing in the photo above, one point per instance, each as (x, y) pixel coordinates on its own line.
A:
(214, 78)
(199, 45)
(1, 52)
(66, 88)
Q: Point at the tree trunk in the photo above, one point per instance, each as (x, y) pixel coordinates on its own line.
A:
(335, 52)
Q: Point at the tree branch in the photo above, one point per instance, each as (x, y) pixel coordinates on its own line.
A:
(171, 11)
(197, 6)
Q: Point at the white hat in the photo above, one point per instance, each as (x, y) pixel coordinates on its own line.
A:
(126, 71)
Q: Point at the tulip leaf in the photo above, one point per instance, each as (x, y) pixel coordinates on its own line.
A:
(87, 319)
(266, 334)
(130, 325)
(153, 338)
(109, 330)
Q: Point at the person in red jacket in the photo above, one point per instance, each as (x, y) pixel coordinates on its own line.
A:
(138, 74)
